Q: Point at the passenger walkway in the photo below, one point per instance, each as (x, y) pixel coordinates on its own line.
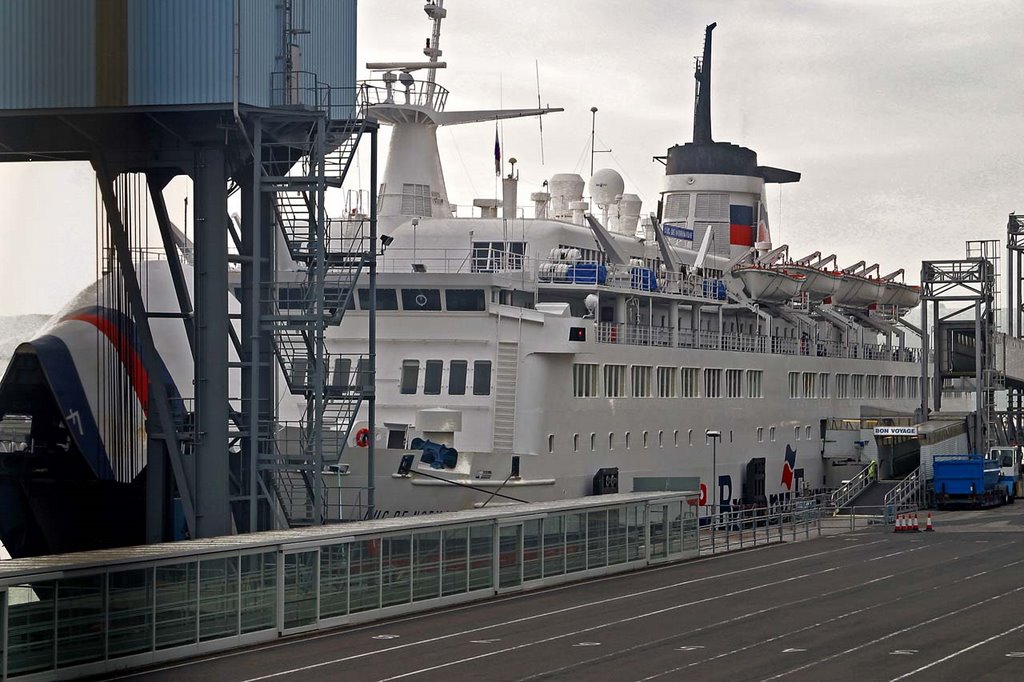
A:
(97, 612)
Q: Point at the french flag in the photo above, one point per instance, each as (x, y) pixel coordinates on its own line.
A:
(741, 225)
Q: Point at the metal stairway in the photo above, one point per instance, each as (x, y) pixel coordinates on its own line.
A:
(329, 256)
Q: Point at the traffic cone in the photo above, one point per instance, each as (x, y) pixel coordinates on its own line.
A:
(899, 524)
(929, 528)
(917, 523)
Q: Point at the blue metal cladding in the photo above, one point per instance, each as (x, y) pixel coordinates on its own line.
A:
(47, 54)
(329, 49)
(178, 52)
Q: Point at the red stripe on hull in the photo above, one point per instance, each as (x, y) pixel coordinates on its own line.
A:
(125, 352)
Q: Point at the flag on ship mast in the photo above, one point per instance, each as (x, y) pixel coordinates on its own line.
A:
(497, 151)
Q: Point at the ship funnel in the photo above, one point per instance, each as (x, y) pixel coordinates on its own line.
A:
(702, 106)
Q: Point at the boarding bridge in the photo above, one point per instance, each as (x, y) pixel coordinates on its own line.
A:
(1009, 359)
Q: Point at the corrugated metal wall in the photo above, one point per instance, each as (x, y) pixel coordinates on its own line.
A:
(71, 53)
(47, 53)
(179, 52)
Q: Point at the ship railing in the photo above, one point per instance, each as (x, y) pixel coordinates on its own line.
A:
(424, 94)
(845, 493)
(304, 90)
(452, 261)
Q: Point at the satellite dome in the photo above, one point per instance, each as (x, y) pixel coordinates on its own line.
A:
(605, 185)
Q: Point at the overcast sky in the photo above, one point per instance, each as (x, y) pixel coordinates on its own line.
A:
(904, 117)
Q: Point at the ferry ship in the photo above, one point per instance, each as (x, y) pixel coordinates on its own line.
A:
(594, 344)
(593, 347)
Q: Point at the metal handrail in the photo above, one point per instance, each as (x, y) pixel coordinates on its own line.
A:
(910, 489)
(852, 488)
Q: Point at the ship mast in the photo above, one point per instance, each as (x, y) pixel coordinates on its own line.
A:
(702, 100)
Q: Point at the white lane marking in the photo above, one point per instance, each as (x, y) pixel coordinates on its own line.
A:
(792, 651)
(1015, 654)
(485, 641)
(430, 640)
(904, 551)
(903, 652)
(961, 651)
(385, 637)
(601, 626)
(333, 632)
(813, 626)
(903, 630)
(689, 648)
(587, 644)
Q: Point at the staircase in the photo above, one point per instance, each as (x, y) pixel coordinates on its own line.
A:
(330, 256)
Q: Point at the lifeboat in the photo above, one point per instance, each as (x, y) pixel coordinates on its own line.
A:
(900, 295)
(856, 291)
(818, 284)
(769, 284)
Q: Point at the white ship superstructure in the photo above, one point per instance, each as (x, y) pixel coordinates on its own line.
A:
(595, 337)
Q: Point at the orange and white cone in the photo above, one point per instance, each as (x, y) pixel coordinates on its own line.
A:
(929, 528)
(917, 523)
(898, 528)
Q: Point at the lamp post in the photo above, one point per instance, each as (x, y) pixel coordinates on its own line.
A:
(714, 437)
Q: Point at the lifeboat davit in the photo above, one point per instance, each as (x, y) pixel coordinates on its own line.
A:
(901, 295)
(818, 284)
(856, 291)
(769, 284)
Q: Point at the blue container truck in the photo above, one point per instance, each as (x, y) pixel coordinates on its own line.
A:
(969, 481)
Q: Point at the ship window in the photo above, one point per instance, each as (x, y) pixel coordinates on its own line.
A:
(432, 377)
(871, 387)
(733, 383)
(771, 433)
(857, 386)
(627, 440)
(807, 433)
(342, 369)
(842, 385)
(712, 383)
(666, 382)
(575, 442)
(754, 383)
(410, 376)
(363, 378)
(551, 443)
(457, 377)
(823, 385)
(641, 380)
(421, 299)
(887, 387)
(584, 380)
(462, 300)
(689, 437)
(614, 381)
(396, 439)
(796, 432)
(810, 379)
(690, 382)
(645, 439)
(611, 441)
(593, 441)
(415, 199)
(387, 299)
(482, 377)
(675, 438)
(661, 438)
(760, 434)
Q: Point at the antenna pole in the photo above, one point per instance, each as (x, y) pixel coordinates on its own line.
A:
(593, 125)
(540, 119)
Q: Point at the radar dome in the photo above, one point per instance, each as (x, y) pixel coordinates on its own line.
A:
(605, 185)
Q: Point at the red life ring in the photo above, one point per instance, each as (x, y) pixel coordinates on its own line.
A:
(363, 437)
(703, 500)
(612, 334)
